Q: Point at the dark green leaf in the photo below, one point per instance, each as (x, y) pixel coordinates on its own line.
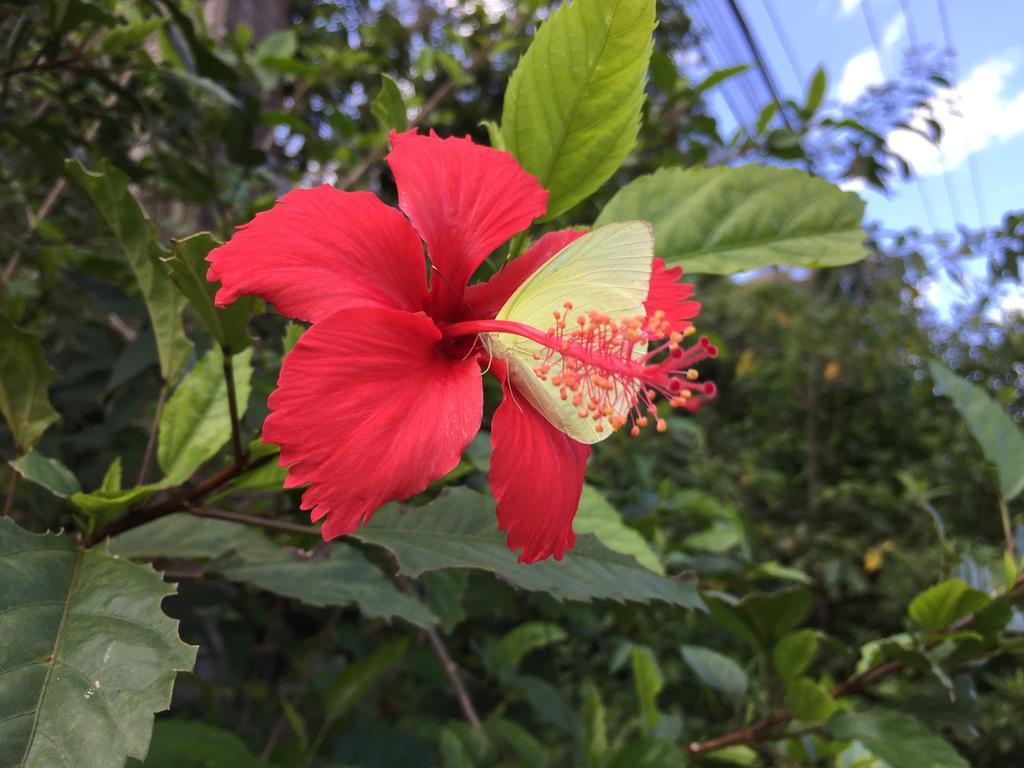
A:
(124, 37)
(389, 107)
(109, 192)
(572, 106)
(458, 530)
(1001, 440)
(725, 220)
(716, 670)
(794, 652)
(95, 656)
(897, 738)
(807, 701)
(353, 683)
(649, 681)
(593, 729)
(191, 744)
(49, 473)
(24, 382)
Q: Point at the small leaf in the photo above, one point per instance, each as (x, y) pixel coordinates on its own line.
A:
(716, 670)
(761, 618)
(572, 107)
(196, 422)
(726, 220)
(794, 653)
(595, 515)
(494, 136)
(188, 266)
(807, 701)
(720, 76)
(816, 91)
(389, 107)
(24, 382)
(593, 728)
(109, 192)
(1001, 440)
(939, 606)
(95, 656)
(192, 744)
(350, 686)
(648, 680)
(897, 738)
(457, 530)
(531, 636)
(123, 37)
(281, 44)
(49, 473)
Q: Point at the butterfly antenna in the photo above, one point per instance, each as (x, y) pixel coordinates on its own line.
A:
(448, 282)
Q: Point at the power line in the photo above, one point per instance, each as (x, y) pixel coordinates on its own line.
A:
(786, 47)
(761, 65)
(711, 59)
(876, 43)
(947, 36)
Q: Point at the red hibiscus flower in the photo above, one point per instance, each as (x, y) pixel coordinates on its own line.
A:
(383, 393)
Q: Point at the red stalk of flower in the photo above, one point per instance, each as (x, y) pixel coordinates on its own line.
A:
(382, 394)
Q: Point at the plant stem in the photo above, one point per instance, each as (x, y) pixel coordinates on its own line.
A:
(1004, 515)
(256, 520)
(12, 486)
(147, 457)
(236, 429)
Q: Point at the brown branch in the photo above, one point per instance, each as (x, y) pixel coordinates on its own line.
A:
(255, 520)
(753, 734)
(154, 427)
(40, 67)
(178, 503)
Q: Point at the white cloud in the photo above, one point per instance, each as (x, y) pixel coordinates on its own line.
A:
(861, 72)
(848, 7)
(979, 113)
(894, 31)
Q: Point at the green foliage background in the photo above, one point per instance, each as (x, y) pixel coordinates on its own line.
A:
(818, 569)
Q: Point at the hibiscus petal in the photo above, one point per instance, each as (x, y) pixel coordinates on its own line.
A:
(536, 477)
(465, 200)
(320, 250)
(485, 300)
(669, 294)
(367, 410)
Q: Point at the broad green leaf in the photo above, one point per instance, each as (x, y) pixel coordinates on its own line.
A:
(595, 515)
(196, 422)
(389, 107)
(794, 653)
(572, 106)
(897, 738)
(607, 270)
(24, 382)
(94, 659)
(193, 744)
(716, 670)
(458, 530)
(353, 683)
(939, 606)
(133, 230)
(281, 44)
(1001, 440)
(337, 575)
(807, 701)
(188, 266)
(49, 473)
(531, 636)
(649, 681)
(725, 220)
(761, 618)
(593, 728)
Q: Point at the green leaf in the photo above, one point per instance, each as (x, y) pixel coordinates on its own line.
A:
(95, 656)
(444, 592)
(24, 381)
(725, 220)
(292, 333)
(595, 515)
(192, 744)
(593, 728)
(109, 192)
(196, 422)
(494, 136)
(281, 44)
(816, 91)
(389, 107)
(807, 701)
(794, 653)
(720, 76)
(519, 740)
(572, 106)
(531, 636)
(123, 37)
(458, 530)
(648, 681)
(716, 670)
(939, 606)
(188, 266)
(353, 683)
(897, 738)
(49, 473)
(1001, 440)
(761, 618)
(335, 575)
